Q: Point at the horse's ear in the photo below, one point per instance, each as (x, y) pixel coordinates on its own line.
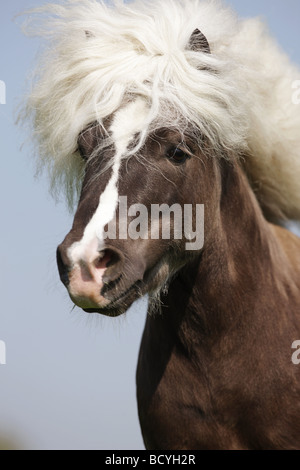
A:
(198, 42)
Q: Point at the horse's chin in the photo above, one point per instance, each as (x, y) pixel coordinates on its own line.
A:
(120, 305)
(114, 309)
(107, 312)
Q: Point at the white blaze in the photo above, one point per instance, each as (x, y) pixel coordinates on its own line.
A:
(127, 122)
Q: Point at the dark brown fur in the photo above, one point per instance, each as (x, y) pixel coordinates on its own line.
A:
(215, 369)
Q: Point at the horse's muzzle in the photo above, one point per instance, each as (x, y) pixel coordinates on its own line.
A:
(100, 282)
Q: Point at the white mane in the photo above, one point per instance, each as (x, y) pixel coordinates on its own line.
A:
(99, 56)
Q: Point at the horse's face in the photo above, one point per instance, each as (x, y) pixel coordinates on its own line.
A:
(107, 273)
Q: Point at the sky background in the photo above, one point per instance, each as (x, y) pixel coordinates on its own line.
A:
(69, 381)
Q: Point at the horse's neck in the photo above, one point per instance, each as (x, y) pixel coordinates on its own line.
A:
(219, 290)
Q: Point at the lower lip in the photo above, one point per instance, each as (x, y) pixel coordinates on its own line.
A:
(113, 312)
(112, 308)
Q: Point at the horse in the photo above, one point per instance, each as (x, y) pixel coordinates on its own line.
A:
(180, 104)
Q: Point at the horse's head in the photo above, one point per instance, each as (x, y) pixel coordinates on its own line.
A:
(140, 217)
(140, 214)
(144, 102)
(144, 96)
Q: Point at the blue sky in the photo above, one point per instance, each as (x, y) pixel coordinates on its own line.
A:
(69, 381)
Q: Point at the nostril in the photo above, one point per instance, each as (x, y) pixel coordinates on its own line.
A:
(114, 260)
(106, 259)
(62, 268)
(102, 261)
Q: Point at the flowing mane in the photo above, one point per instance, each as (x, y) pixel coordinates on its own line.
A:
(239, 97)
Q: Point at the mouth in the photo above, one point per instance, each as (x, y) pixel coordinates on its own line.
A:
(119, 304)
(120, 300)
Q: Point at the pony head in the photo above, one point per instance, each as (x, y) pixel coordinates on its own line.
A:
(136, 100)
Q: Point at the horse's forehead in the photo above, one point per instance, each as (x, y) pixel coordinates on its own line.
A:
(130, 120)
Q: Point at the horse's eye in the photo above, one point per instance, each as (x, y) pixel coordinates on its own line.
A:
(178, 155)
